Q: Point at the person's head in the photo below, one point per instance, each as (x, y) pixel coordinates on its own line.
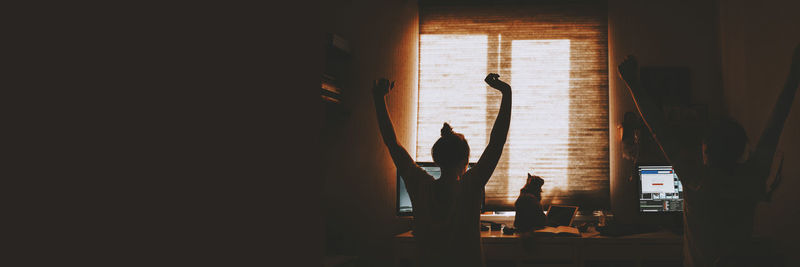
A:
(451, 151)
(724, 143)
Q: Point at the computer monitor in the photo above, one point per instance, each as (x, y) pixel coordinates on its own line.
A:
(660, 190)
(403, 200)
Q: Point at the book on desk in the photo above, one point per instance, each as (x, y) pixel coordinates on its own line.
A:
(558, 221)
(558, 231)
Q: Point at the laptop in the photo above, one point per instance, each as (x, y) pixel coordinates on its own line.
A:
(560, 215)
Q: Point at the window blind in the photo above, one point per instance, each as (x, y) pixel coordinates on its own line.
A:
(554, 56)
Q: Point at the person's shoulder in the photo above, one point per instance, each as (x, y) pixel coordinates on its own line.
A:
(421, 176)
(425, 180)
(471, 177)
(739, 174)
(748, 167)
(727, 184)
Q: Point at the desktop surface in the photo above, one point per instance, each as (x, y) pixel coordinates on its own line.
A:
(590, 248)
(661, 235)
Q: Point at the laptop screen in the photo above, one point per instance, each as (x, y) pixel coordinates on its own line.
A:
(558, 215)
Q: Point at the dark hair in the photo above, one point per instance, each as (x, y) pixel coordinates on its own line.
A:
(725, 141)
(451, 149)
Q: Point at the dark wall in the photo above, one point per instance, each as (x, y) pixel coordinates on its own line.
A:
(660, 34)
(738, 53)
(756, 40)
(359, 198)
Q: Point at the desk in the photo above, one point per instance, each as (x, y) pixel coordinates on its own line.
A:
(591, 249)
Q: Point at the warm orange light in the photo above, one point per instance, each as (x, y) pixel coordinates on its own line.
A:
(452, 90)
(555, 58)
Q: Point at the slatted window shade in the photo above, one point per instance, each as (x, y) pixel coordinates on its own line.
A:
(554, 56)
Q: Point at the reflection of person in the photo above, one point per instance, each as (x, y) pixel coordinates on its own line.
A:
(530, 215)
(631, 130)
(720, 194)
(447, 211)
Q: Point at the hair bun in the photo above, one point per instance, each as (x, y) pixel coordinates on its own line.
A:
(447, 130)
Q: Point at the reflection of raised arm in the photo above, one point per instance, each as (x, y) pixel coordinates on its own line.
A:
(402, 160)
(768, 143)
(681, 157)
(491, 155)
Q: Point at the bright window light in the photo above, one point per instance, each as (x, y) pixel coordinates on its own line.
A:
(539, 136)
(452, 90)
(555, 57)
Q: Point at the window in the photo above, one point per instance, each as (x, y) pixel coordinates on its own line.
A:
(554, 56)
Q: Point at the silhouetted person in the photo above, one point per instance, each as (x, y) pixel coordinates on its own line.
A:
(447, 211)
(720, 194)
(530, 215)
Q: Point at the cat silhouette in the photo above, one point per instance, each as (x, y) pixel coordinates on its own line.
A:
(530, 215)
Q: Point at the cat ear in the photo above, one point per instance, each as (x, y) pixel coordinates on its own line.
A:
(529, 177)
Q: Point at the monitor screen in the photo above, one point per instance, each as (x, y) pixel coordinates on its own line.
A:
(660, 190)
(403, 200)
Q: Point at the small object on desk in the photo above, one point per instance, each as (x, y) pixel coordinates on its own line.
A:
(484, 227)
(494, 226)
(584, 226)
(509, 230)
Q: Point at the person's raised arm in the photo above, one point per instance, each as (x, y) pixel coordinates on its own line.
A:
(405, 165)
(682, 158)
(768, 142)
(491, 155)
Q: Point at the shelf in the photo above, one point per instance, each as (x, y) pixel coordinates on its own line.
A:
(336, 74)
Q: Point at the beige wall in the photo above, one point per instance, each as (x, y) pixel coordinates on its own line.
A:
(756, 41)
(360, 178)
